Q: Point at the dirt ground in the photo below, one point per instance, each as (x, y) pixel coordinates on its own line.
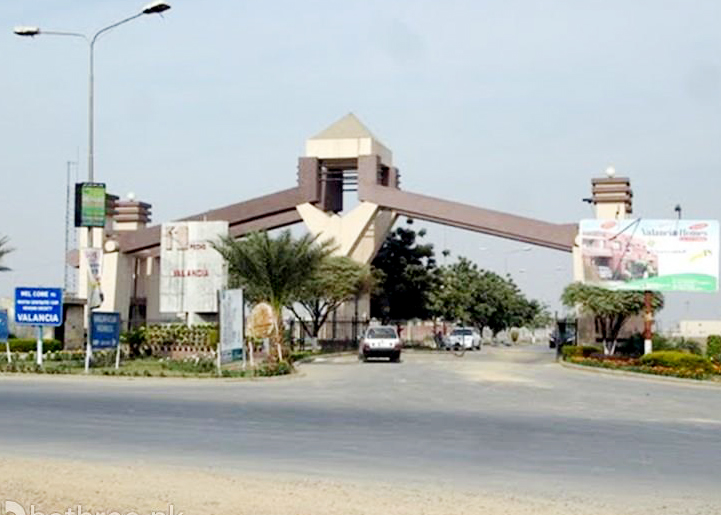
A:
(57, 486)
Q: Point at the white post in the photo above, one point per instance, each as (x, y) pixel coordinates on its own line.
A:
(39, 347)
(117, 357)
(7, 350)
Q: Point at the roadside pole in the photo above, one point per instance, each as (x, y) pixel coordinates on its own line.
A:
(117, 357)
(39, 346)
(648, 323)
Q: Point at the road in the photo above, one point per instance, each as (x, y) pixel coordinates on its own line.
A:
(507, 420)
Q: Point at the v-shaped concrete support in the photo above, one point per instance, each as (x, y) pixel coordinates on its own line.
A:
(358, 234)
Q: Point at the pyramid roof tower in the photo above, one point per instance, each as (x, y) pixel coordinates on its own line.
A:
(347, 138)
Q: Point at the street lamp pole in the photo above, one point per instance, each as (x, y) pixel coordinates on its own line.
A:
(156, 7)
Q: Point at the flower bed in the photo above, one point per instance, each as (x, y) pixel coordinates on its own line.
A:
(664, 363)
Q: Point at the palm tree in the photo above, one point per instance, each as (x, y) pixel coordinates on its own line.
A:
(273, 270)
(4, 250)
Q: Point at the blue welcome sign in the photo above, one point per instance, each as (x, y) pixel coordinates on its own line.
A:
(39, 306)
(104, 330)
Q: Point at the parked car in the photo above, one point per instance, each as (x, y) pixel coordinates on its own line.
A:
(463, 337)
(380, 342)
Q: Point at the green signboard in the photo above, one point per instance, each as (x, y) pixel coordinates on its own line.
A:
(90, 204)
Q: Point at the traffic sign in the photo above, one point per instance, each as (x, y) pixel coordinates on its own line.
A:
(39, 306)
(4, 331)
(105, 330)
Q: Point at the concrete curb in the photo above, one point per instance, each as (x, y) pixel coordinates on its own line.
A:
(699, 383)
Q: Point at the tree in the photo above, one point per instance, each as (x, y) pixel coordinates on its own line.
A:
(337, 280)
(273, 270)
(610, 309)
(4, 251)
(407, 275)
(473, 296)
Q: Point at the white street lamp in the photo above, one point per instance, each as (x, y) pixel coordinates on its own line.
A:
(153, 8)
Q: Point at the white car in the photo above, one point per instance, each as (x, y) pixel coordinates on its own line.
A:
(380, 342)
(463, 338)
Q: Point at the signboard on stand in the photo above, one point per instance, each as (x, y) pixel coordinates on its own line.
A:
(104, 330)
(39, 307)
(232, 323)
(5, 332)
(651, 255)
(192, 272)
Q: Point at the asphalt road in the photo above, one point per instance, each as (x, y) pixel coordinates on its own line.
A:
(507, 420)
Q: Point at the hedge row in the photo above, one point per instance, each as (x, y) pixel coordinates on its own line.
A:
(678, 359)
(579, 351)
(30, 345)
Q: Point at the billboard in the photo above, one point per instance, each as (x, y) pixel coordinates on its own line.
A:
(659, 255)
(192, 272)
(90, 204)
(231, 325)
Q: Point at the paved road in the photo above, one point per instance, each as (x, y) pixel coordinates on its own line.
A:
(505, 419)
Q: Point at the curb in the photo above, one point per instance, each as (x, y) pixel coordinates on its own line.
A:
(702, 383)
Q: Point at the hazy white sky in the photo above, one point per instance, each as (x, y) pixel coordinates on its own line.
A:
(510, 105)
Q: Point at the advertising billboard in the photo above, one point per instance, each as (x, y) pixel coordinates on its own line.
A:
(90, 204)
(231, 325)
(192, 272)
(658, 255)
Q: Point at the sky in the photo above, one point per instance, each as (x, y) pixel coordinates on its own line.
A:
(512, 105)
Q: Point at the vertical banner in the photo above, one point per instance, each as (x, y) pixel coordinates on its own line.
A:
(94, 259)
(231, 326)
(192, 272)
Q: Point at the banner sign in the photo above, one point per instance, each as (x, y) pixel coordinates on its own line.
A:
(192, 272)
(659, 255)
(231, 326)
(4, 329)
(39, 306)
(90, 204)
(104, 330)
(94, 259)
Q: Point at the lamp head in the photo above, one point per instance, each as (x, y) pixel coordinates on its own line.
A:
(26, 31)
(156, 7)
(610, 172)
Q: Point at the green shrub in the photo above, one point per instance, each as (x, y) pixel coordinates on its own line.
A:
(193, 365)
(579, 351)
(677, 359)
(274, 369)
(662, 343)
(136, 341)
(687, 346)
(29, 345)
(713, 347)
